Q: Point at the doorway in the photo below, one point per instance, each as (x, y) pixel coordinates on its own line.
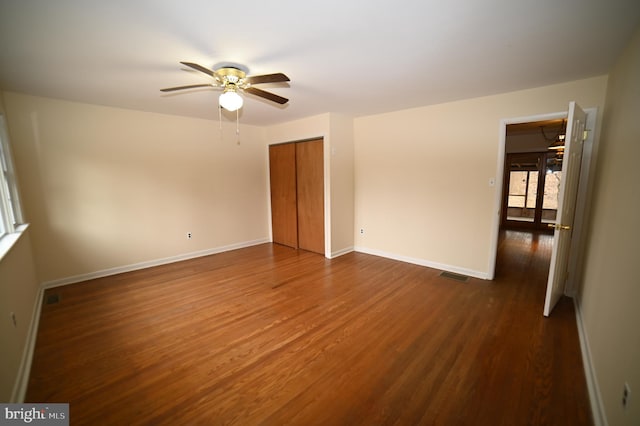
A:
(527, 125)
(589, 157)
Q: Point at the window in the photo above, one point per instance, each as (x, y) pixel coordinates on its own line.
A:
(10, 213)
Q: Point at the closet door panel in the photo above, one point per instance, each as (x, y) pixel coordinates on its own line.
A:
(284, 215)
(310, 194)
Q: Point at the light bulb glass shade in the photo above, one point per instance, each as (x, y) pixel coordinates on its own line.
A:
(230, 101)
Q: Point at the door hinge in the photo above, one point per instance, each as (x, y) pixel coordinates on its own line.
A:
(585, 135)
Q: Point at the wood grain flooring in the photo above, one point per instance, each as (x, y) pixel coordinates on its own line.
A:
(272, 335)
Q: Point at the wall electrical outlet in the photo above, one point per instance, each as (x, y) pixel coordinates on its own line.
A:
(362, 230)
(189, 235)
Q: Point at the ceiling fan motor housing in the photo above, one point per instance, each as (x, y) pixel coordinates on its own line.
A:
(231, 75)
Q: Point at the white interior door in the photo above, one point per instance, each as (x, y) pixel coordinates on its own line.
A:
(566, 206)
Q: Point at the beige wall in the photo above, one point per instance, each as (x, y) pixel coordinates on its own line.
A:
(611, 289)
(18, 295)
(421, 175)
(342, 184)
(106, 188)
(337, 132)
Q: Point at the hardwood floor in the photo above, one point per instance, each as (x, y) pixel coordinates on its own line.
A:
(271, 335)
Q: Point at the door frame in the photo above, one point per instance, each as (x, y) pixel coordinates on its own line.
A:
(588, 160)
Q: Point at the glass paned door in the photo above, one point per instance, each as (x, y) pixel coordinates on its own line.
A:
(532, 183)
(523, 192)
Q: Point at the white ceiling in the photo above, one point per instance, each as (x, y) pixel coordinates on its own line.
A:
(346, 56)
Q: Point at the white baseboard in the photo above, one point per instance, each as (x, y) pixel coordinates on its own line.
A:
(423, 262)
(595, 398)
(22, 379)
(148, 264)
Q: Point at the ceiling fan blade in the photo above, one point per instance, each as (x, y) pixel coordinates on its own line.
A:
(199, 68)
(191, 86)
(267, 78)
(267, 95)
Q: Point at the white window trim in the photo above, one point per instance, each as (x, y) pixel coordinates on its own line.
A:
(9, 197)
(8, 240)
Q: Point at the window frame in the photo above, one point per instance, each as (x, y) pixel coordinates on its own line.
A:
(11, 216)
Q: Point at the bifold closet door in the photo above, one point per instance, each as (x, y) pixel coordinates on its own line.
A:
(284, 214)
(310, 195)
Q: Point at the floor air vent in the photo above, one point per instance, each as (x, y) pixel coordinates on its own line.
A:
(452, 276)
(52, 299)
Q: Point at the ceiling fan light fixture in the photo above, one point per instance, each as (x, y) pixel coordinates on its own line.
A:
(230, 100)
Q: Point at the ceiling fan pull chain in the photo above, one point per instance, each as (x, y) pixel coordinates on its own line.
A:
(238, 126)
(220, 120)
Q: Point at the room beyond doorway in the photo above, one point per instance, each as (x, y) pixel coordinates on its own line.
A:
(532, 174)
(532, 182)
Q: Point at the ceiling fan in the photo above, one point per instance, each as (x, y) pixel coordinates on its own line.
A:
(232, 79)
